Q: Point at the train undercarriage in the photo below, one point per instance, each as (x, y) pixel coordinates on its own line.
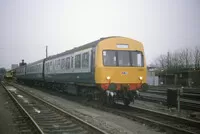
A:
(107, 97)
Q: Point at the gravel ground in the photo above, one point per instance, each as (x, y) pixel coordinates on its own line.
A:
(6, 123)
(106, 121)
(11, 120)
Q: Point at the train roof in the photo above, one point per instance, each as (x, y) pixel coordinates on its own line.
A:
(88, 45)
(35, 62)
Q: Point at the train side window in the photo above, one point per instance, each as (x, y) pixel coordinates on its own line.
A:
(72, 62)
(40, 67)
(47, 66)
(68, 63)
(78, 61)
(56, 64)
(51, 66)
(59, 64)
(36, 68)
(63, 63)
(93, 59)
(85, 60)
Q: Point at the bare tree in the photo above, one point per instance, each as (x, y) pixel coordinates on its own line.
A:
(196, 56)
(161, 61)
(175, 60)
(179, 59)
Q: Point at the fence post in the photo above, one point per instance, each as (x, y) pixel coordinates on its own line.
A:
(179, 93)
(178, 99)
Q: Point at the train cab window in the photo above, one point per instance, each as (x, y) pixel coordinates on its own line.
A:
(109, 58)
(123, 58)
(85, 60)
(68, 63)
(137, 59)
(78, 61)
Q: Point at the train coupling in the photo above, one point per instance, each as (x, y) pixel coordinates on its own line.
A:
(110, 93)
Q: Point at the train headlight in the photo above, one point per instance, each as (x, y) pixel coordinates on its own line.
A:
(108, 77)
(140, 77)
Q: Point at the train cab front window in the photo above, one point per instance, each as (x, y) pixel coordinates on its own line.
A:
(137, 59)
(109, 58)
(123, 58)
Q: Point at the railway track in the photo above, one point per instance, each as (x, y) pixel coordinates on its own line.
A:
(185, 89)
(191, 96)
(47, 118)
(20, 122)
(162, 121)
(185, 103)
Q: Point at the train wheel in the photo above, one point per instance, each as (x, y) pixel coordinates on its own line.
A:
(126, 101)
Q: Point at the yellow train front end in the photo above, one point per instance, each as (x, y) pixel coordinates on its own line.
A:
(120, 67)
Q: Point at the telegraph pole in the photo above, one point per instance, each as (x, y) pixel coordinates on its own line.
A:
(46, 51)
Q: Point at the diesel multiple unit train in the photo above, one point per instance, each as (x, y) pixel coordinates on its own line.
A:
(110, 68)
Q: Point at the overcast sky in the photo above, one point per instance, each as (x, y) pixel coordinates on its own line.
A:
(26, 26)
